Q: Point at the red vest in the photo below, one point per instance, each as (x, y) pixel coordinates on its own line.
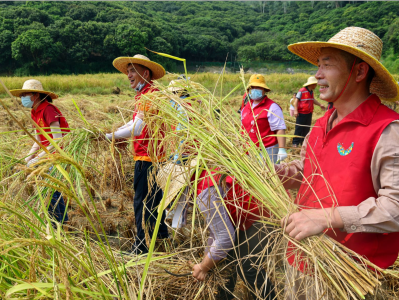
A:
(343, 156)
(141, 142)
(256, 124)
(306, 103)
(38, 117)
(241, 206)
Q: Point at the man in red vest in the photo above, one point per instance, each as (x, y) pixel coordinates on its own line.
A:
(353, 148)
(141, 72)
(50, 119)
(303, 110)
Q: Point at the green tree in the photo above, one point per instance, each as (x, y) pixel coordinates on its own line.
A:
(35, 48)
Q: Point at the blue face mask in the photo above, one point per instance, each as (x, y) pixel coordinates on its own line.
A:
(26, 101)
(255, 94)
(139, 86)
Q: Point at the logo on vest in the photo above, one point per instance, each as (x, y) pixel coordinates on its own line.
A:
(342, 151)
(40, 122)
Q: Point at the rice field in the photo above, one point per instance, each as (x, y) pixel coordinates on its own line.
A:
(85, 259)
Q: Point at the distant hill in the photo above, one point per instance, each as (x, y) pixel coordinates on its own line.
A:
(77, 37)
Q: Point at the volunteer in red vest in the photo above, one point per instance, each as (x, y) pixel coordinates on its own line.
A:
(242, 247)
(303, 110)
(354, 147)
(141, 72)
(49, 117)
(262, 117)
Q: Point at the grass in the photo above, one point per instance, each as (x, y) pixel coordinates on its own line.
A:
(84, 260)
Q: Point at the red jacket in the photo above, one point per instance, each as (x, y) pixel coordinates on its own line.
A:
(242, 207)
(342, 157)
(141, 142)
(38, 116)
(306, 103)
(256, 123)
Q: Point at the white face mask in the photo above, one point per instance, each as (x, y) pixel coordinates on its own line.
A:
(139, 86)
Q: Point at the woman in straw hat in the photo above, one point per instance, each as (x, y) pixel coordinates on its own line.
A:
(303, 109)
(141, 72)
(262, 117)
(349, 159)
(49, 117)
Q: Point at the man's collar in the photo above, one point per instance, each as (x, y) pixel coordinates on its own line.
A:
(363, 114)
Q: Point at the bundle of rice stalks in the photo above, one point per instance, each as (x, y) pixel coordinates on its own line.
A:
(211, 134)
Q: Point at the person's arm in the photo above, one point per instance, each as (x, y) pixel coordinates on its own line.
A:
(57, 135)
(134, 127)
(318, 103)
(221, 229)
(281, 139)
(32, 153)
(275, 117)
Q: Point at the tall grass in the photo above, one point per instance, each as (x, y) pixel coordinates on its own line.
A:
(42, 262)
(103, 84)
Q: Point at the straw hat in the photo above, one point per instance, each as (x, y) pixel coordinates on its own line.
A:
(259, 81)
(311, 80)
(362, 43)
(177, 85)
(33, 86)
(121, 64)
(180, 178)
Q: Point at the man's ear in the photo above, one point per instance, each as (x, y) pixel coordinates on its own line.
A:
(146, 75)
(362, 71)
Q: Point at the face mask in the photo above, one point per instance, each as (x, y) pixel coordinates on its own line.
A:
(26, 101)
(255, 94)
(139, 86)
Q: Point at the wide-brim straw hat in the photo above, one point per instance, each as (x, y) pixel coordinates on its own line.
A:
(180, 177)
(177, 85)
(32, 86)
(311, 80)
(258, 80)
(121, 64)
(365, 45)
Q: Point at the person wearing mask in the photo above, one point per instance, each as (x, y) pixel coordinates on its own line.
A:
(141, 72)
(50, 119)
(262, 117)
(303, 110)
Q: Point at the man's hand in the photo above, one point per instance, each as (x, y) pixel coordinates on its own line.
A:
(140, 114)
(322, 107)
(310, 222)
(199, 272)
(296, 113)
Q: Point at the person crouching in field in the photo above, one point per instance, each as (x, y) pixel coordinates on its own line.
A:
(140, 71)
(244, 247)
(353, 151)
(262, 117)
(48, 117)
(303, 110)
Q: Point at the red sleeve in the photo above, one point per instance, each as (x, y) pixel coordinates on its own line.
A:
(51, 115)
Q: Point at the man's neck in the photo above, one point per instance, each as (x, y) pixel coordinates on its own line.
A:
(347, 104)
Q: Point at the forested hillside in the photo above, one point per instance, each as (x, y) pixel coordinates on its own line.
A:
(78, 37)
